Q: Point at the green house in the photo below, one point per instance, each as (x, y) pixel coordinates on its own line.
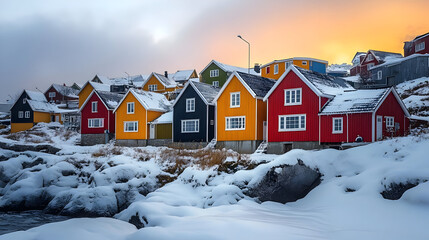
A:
(216, 73)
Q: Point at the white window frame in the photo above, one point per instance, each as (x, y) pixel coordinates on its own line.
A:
(196, 129)
(190, 105)
(129, 106)
(420, 47)
(92, 120)
(215, 84)
(27, 114)
(51, 94)
(228, 122)
(304, 63)
(287, 64)
(341, 125)
(24, 100)
(390, 121)
(153, 87)
(276, 69)
(214, 73)
(233, 104)
(300, 128)
(294, 91)
(135, 123)
(20, 114)
(94, 109)
(379, 75)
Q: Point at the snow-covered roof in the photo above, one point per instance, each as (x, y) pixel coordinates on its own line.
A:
(381, 55)
(110, 99)
(395, 60)
(355, 101)
(36, 96)
(352, 78)
(295, 59)
(181, 75)
(149, 100)
(230, 68)
(207, 91)
(259, 85)
(66, 90)
(164, 118)
(421, 36)
(324, 83)
(339, 68)
(43, 106)
(168, 83)
(356, 58)
(100, 86)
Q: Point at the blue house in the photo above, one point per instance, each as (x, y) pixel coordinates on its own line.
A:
(194, 113)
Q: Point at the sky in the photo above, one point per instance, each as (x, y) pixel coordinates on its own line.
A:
(55, 41)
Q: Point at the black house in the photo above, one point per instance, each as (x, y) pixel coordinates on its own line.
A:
(194, 113)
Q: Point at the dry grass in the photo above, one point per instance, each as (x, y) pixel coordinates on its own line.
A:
(107, 151)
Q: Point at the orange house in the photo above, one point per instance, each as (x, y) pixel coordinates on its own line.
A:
(133, 113)
(160, 84)
(276, 68)
(88, 87)
(241, 112)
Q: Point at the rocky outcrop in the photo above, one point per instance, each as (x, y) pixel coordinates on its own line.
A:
(35, 148)
(395, 190)
(286, 183)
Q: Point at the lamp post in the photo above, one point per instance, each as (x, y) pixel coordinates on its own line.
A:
(248, 66)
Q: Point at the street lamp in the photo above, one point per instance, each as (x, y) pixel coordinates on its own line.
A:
(248, 68)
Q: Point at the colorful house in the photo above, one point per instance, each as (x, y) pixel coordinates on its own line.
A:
(356, 61)
(57, 93)
(241, 112)
(134, 113)
(159, 83)
(372, 114)
(88, 87)
(97, 117)
(417, 45)
(276, 68)
(294, 103)
(161, 130)
(216, 73)
(181, 77)
(32, 108)
(194, 113)
(371, 59)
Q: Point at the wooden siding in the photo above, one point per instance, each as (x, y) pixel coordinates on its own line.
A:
(18, 127)
(223, 76)
(163, 131)
(138, 115)
(160, 87)
(18, 106)
(282, 69)
(309, 107)
(391, 108)
(84, 94)
(107, 116)
(353, 125)
(59, 98)
(299, 63)
(247, 108)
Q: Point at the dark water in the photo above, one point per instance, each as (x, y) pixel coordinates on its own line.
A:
(19, 221)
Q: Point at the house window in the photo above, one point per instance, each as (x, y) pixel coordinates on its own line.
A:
(214, 73)
(130, 107)
(24, 101)
(267, 69)
(153, 87)
(20, 114)
(131, 126)
(287, 64)
(95, 123)
(292, 123)
(304, 63)
(27, 114)
(190, 105)
(94, 107)
(235, 99)
(379, 75)
(369, 58)
(51, 94)
(212, 122)
(337, 125)
(215, 83)
(390, 121)
(276, 69)
(420, 46)
(235, 123)
(191, 126)
(369, 66)
(293, 96)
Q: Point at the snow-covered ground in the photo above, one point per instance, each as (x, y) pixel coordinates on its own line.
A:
(415, 94)
(202, 202)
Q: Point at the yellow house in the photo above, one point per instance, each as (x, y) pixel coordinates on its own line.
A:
(276, 68)
(32, 108)
(241, 112)
(159, 83)
(89, 86)
(133, 113)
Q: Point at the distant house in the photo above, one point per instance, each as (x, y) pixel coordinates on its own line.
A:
(159, 83)
(134, 113)
(241, 113)
(97, 117)
(399, 70)
(216, 73)
(356, 61)
(57, 93)
(293, 106)
(89, 86)
(194, 113)
(31, 108)
(276, 68)
(419, 44)
(374, 58)
(181, 77)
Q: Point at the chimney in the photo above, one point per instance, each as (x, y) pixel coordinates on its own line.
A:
(166, 74)
(257, 68)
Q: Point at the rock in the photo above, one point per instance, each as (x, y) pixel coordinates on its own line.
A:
(36, 200)
(136, 221)
(395, 190)
(286, 183)
(35, 148)
(32, 163)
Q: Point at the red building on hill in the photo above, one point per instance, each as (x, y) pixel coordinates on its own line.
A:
(419, 45)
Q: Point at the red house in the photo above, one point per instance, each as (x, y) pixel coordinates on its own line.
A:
(57, 93)
(371, 59)
(97, 117)
(307, 110)
(293, 105)
(417, 45)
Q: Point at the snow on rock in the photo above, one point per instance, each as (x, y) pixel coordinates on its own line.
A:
(415, 94)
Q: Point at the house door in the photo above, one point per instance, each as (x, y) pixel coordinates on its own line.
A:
(152, 131)
(265, 131)
(379, 127)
